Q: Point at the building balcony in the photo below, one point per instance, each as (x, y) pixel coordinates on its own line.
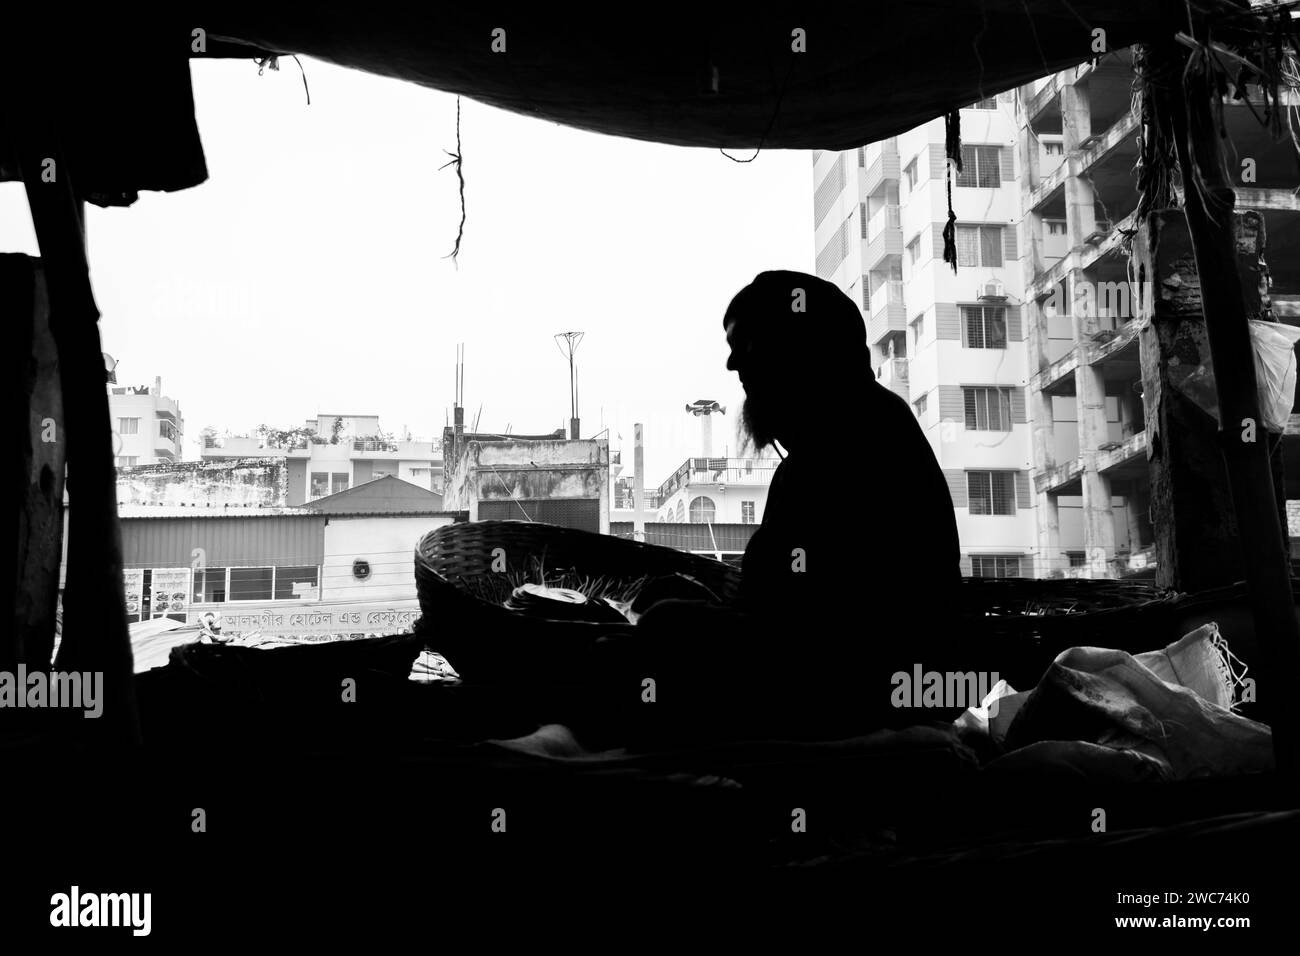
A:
(1060, 479)
(1123, 459)
(713, 471)
(1043, 98)
(1096, 147)
(167, 407)
(892, 373)
(884, 237)
(1048, 185)
(1055, 378)
(888, 311)
(883, 171)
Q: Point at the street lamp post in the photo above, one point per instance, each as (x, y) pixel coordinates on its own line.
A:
(569, 346)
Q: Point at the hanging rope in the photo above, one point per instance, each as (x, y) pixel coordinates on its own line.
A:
(952, 148)
(457, 162)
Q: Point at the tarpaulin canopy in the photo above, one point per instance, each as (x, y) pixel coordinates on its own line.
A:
(769, 78)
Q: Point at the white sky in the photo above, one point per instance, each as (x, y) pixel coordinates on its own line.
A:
(306, 275)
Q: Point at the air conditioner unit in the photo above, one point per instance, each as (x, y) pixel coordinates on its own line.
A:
(992, 290)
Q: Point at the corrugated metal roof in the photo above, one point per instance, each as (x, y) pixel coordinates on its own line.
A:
(239, 540)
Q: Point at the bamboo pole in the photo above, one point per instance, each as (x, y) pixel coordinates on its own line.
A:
(1242, 438)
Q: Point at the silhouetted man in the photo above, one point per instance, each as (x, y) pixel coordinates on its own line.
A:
(852, 574)
(859, 522)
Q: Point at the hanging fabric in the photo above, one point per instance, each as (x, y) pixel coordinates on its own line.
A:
(952, 148)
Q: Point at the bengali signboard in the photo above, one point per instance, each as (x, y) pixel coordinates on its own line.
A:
(133, 584)
(323, 621)
(169, 591)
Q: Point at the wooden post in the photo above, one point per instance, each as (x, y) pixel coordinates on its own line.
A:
(1209, 211)
(95, 633)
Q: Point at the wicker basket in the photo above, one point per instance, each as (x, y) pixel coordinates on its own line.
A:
(1025, 621)
(453, 562)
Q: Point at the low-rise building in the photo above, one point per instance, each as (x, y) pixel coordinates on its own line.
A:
(332, 453)
(343, 564)
(147, 425)
(545, 478)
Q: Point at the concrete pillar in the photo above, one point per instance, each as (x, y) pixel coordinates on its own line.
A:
(1044, 429)
(1050, 555)
(1076, 126)
(1132, 514)
(1090, 398)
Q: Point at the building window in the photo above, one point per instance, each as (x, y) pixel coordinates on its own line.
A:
(339, 482)
(914, 252)
(918, 329)
(1055, 227)
(320, 484)
(862, 215)
(127, 461)
(921, 404)
(702, 510)
(991, 492)
(988, 103)
(1077, 559)
(747, 512)
(128, 426)
(210, 585)
(286, 578)
(988, 409)
(980, 166)
(995, 565)
(1054, 149)
(251, 584)
(979, 246)
(862, 157)
(168, 430)
(984, 326)
(910, 175)
(681, 512)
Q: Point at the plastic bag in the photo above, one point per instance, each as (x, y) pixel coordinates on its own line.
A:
(1275, 375)
(1275, 371)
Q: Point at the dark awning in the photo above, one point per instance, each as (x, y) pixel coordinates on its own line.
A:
(120, 88)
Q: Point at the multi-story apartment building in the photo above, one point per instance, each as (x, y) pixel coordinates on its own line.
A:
(1077, 151)
(344, 451)
(952, 344)
(147, 425)
(1024, 367)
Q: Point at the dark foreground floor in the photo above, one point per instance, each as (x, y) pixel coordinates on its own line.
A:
(302, 848)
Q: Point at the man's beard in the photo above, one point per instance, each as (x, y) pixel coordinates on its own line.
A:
(757, 428)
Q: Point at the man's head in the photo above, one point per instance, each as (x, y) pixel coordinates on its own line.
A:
(793, 338)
